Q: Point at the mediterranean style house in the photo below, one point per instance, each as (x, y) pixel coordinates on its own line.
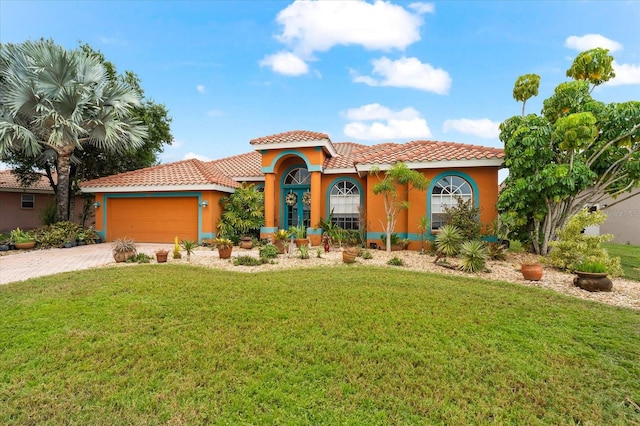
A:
(305, 176)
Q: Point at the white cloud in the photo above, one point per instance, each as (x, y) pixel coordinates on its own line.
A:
(376, 111)
(285, 63)
(407, 72)
(483, 128)
(317, 26)
(377, 122)
(625, 74)
(591, 41)
(190, 155)
(200, 88)
(423, 8)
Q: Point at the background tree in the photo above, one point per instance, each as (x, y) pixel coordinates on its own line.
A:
(58, 100)
(394, 188)
(576, 153)
(92, 160)
(525, 88)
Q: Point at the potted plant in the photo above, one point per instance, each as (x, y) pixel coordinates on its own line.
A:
(22, 240)
(123, 249)
(349, 254)
(300, 235)
(280, 238)
(162, 255)
(224, 246)
(189, 246)
(592, 276)
(531, 271)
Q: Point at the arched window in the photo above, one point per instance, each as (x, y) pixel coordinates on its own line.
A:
(344, 202)
(297, 177)
(445, 193)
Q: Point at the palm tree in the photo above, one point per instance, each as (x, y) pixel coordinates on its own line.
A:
(58, 101)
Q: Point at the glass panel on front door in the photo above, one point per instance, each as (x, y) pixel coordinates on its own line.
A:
(298, 212)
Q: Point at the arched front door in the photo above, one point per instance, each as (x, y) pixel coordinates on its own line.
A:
(296, 198)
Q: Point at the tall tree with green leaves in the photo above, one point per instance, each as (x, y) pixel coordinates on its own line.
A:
(394, 186)
(58, 101)
(574, 154)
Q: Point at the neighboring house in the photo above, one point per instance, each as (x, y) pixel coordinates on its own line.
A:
(22, 207)
(305, 176)
(623, 219)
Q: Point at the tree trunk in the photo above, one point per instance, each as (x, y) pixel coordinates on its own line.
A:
(62, 191)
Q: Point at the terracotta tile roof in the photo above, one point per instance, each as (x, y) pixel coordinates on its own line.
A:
(247, 165)
(9, 182)
(290, 137)
(423, 152)
(182, 173)
(344, 159)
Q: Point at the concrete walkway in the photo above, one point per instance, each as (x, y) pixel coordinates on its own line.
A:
(37, 263)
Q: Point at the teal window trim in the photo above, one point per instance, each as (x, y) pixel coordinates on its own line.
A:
(474, 189)
(310, 167)
(332, 184)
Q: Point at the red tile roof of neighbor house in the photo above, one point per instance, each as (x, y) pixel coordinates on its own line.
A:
(9, 182)
(182, 173)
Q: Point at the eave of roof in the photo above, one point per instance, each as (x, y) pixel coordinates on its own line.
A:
(295, 139)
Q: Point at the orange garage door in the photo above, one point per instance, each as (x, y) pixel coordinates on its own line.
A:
(153, 219)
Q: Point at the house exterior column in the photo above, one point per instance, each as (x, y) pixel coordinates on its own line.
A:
(315, 234)
(269, 206)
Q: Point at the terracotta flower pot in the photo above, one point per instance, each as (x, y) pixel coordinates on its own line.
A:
(349, 256)
(122, 256)
(245, 243)
(531, 271)
(224, 252)
(280, 244)
(26, 246)
(161, 256)
(301, 242)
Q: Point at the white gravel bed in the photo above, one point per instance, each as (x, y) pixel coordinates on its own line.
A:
(625, 293)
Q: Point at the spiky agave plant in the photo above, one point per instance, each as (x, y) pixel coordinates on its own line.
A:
(474, 256)
(448, 241)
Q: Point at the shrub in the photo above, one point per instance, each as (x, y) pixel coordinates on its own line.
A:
(243, 213)
(124, 245)
(448, 241)
(268, 251)
(395, 261)
(474, 256)
(573, 247)
(247, 260)
(303, 252)
(496, 251)
(464, 216)
(367, 255)
(139, 258)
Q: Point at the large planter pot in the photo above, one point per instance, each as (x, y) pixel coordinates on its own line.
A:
(531, 271)
(302, 242)
(349, 256)
(592, 281)
(25, 246)
(224, 252)
(122, 256)
(245, 243)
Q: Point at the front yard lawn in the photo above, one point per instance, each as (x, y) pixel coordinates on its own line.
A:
(629, 258)
(180, 344)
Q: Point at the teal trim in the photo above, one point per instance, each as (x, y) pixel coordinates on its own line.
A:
(197, 195)
(333, 183)
(469, 179)
(268, 229)
(310, 167)
(102, 234)
(314, 231)
(298, 189)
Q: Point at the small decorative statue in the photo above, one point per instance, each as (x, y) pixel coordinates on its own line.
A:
(325, 241)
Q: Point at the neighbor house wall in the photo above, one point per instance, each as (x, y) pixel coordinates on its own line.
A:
(623, 219)
(12, 215)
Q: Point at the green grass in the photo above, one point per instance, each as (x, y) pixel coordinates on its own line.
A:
(629, 258)
(179, 344)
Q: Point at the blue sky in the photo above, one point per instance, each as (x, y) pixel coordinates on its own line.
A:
(231, 71)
